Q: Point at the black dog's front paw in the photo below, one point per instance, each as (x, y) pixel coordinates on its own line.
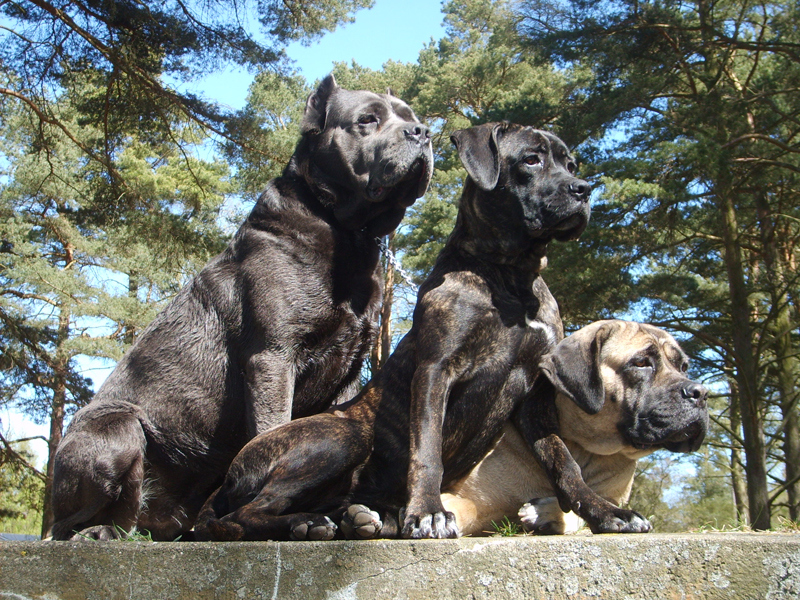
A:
(320, 529)
(98, 533)
(435, 525)
(621, 520)
(361, 523)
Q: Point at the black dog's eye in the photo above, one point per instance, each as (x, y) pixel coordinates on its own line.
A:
(367, 119)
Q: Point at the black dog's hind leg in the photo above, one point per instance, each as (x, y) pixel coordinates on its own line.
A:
(285, 483)
(99, 468)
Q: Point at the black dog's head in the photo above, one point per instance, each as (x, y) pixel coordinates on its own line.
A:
(526, 187)
(366, 155)
(623, 385)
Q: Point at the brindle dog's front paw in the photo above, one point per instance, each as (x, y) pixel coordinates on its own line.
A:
(319, 529)
(218, 530)
(361, 523)
(437, 525)
(98, 533)
(621, 520)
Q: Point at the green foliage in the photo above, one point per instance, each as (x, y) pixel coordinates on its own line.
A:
(78, 278)
(506, 528)
(270, 126)
(21, 493)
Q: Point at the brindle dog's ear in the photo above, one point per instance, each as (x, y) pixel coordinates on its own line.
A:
(573, 367)
(477, 149)
(316, 106)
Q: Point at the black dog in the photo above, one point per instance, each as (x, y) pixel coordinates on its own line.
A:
(483, 319)
(275, 327)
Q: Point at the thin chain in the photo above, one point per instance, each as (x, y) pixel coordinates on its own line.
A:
(387, 252)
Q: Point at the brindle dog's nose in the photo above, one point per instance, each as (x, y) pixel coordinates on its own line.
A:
(580, 189)
(695, 393)
(418, 133)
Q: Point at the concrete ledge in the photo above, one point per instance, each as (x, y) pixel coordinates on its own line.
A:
(635, 567)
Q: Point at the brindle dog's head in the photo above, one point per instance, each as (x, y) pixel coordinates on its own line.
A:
(623, 388)
(366, 155)
(521, 188)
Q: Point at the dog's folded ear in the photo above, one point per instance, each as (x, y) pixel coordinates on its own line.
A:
(316, 106)
(573, 367)
(477, 149)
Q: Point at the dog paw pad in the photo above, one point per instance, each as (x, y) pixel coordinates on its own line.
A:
(359, 522)
(321, 529)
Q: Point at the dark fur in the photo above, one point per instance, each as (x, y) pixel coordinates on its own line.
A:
(483, 319)
(275, 327)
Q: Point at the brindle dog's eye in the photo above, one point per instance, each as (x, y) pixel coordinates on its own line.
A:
(572, 167)
(642, 363)
(684, 367)
(367, 119)
(532, 160)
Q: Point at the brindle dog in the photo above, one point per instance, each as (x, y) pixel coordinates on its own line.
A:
(483, 319)
(275, 327)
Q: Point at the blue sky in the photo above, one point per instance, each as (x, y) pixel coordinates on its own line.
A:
(391, 30)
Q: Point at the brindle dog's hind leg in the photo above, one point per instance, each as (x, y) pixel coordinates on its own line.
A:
(284, 483)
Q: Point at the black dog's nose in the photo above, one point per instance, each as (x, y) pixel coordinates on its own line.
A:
(580, 189)
(695, 393)
(418, 133)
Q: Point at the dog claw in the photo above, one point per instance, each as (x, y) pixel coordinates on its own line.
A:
(623, 521)
(438, 525)
(359, 522)
(316, 530)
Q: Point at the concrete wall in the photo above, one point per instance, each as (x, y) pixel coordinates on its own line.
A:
(636, 567)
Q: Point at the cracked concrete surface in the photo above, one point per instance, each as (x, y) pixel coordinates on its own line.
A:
(634, 567)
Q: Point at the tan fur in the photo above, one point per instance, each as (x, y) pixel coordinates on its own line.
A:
(509, 475)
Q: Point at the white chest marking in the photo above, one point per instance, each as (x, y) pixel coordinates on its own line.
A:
(548, 332)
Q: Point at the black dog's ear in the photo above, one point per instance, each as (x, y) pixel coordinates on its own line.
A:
(316, 106)
(477, 149)
(573, 367)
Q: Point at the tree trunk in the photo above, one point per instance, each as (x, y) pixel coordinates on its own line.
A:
(383, 345)
(785, 353)
(133, 292)
(737, 477)
(746, 378)
(60, 368)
